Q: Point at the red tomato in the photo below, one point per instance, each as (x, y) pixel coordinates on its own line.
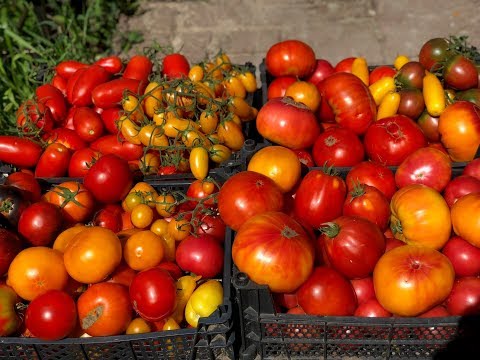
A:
(460, 186)
(21, 152)
(34, 116)
(429, 126)
(69, 67)
(348, 101)
(27, 183)
(201, 189)
(410, 280)
(81, 161)
(465, 297)
(53, 162)
(104, 309)
(473, 168)
(369, 203)
(363, 289)
(319, 198)
(286, 300)
(464, 257)
(345, 65)
(389, 141)
(371, 308)
(172, 268)
(352, 245)
(175, 66)
(83, 85)
(109, 219)
(153, 293)
(109, 94)
(60, 83)
(290, 57)
(52, 315)
(338, 147)
(139, 68)
(460, 73)
(113, 64)
(411, 75)
(245, 195)
(281, 118)
(323, 69)
(211, 224)
(305, 157)
(68, 138)
(427, 166)
(40, 223)
(123, 275)
(54, 100)
(434, 51)
(201, 255)
(88, 124)
(381, 72)
(279, 85)
(437, 311)
(110, 118)
(109, 179)
(392, 243)
(113, 144)
(324, 284)
(274, 250)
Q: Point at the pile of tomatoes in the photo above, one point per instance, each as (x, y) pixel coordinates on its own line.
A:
(380, 242)
(349, 112)
(107, 256)
(177, 119)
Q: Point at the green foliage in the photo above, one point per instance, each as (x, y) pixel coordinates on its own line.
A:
(37, 35)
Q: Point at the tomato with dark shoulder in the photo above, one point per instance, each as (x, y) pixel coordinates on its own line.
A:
(347, 101)
(290, 57)
(175, 66)
(338, 146)
(411, 103)
(390, 140)
(433, 52)
(53, 162)
(109, 179)
(410, 76)
(52, 315)
(320, 197)
(27, 183)
(460, 73)
(40, 223)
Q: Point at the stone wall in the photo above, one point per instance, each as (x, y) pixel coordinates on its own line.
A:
(376, 29)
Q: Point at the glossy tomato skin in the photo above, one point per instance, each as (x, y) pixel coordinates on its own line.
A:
(68, 138)
(246, 194)
(345, 65)
(371, 308)
(410, 75)
(434, 51)
(10, 246)
(324, 284)
(88, 124)
(54, 100)
(347, 101)
(364, 289)
(53, 162)
(104, 309)
(112, 144)
(52, 315)
(380, 72)
(352, 245)
(459, 128)
(464, 223)
(429, 126)
(110, 118)
(109, 94)
(369, 203)
(113, 64)
(201, 255)
(279, 85)
(323, 69)
(427, 166)
(464, 257)
(152, 294)
(473, 168)
(319, 198)
(26, 182)
(213, 225)
(460, 73)
(420, 216)
(82, 87)
(175, 66)
(290, 57)
(390, 140)
(338, 146)
(410, 280)
(9, 319)
(259, 251)
(81, 161)
(40, 223)
(109, 179)
(280, 118)
(465, 297)
(21, 152)
(411, 104)
(67, 68)
(139, 68)
(460, 186)
(199, 190)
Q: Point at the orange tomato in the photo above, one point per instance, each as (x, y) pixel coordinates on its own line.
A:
(196, 73)
(126, 221)
(278, 163)
(208, 121)
(234, 87)
(64, 238)
(199, 162)
(179, 229)
(141, 216)
(129, 130)
(240, 107)
(248, 80)
(92, 255)
(169, 245)
(75, 200)
(231, 135)
(132, 108)
(219, 153)
(306, 93)
(152, 135)
(146, 191)
(143, 250)
(420, 216)
(465, 220)
(159, 227)
(138, 326)
(165, 205)
(36, 270)
(459, 128)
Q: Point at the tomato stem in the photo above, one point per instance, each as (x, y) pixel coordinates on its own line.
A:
(330, 229)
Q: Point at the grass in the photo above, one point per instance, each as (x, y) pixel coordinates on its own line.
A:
(37, 35)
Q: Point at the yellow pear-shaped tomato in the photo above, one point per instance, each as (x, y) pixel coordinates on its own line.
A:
(420, 216)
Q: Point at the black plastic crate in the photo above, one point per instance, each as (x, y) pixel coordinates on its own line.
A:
(214, 337)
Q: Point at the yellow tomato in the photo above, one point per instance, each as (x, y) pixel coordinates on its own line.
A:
(208, 121)
(360, 69)
(129, 130)
(400, 60)
(389, 105)
(141, 216)
(204, 301)
(219, 153)
(234, 87)
(196, 73)
(152, 135)
(159, 227)
(132, 108)
(231, 135)
(138, 326)
(306, 93)
(249, 81)
(433, 94)
(382, 87)
(199, 162)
